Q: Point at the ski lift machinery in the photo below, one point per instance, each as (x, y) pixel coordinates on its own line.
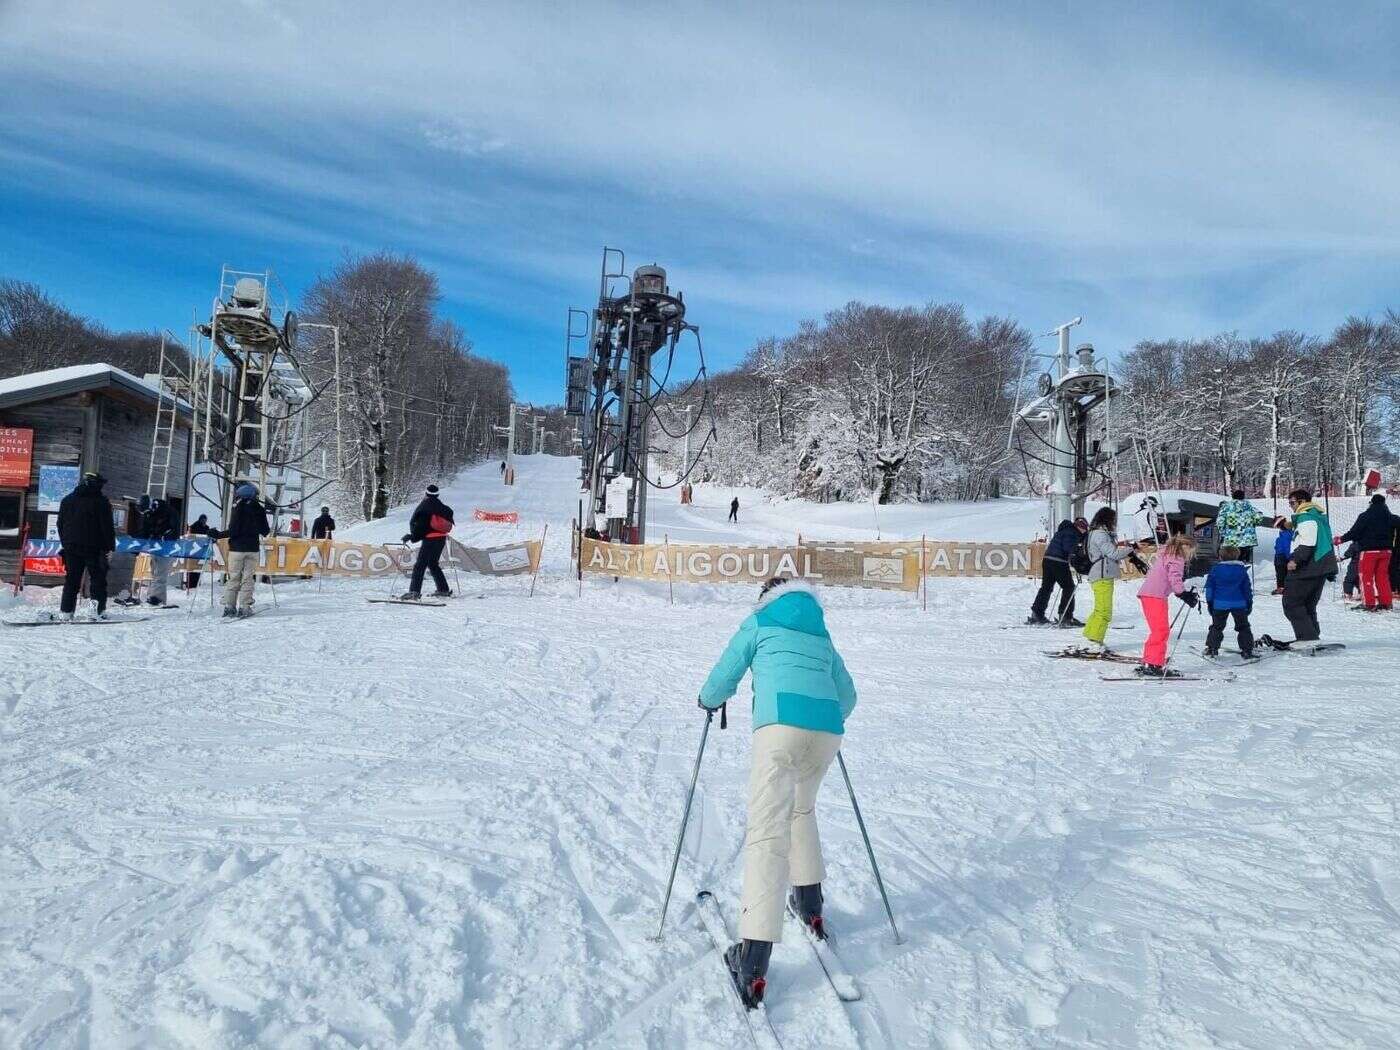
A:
(1064, 407)
(613, 388)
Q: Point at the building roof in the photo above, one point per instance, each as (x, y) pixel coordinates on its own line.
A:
(76, 379)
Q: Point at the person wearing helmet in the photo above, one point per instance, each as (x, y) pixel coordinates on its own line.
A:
(247, 525)
(802, 697)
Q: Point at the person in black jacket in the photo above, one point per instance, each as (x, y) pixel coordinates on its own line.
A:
(323, 528)
(199, 527)
(734, 510)
(1374, 533)
(1055, 572)
(157, 522)
(88, 539)
(247, 525)
(429, 526)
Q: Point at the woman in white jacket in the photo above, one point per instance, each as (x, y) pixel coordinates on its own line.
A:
(1106, 556)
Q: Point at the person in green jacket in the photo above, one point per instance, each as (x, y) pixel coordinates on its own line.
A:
(802, 696)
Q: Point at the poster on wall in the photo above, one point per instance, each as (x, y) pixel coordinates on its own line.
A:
(51, 529)
(16, 456)
(55, 482)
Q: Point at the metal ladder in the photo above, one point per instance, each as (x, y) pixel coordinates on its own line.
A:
(163, 438)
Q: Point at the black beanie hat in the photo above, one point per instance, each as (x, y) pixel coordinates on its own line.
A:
(1379, 497)
(432, 490)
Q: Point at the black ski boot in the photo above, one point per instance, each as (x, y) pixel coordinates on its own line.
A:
(806, 902)
(748, 966)
(443, 594)
(410, 596)
(1151, 670)
(1070, 621)
(1210, 654)
(1037, 621)
(230, 612)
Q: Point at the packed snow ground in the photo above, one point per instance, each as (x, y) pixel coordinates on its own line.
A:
(349, 825)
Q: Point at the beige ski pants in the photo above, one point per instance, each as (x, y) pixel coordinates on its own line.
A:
(242, 571)
(781, 848)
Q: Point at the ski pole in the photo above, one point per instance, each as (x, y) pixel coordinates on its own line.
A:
(1188, 609)
(869, 851)
(685, 819)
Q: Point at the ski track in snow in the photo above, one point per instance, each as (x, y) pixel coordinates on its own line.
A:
(346, 825)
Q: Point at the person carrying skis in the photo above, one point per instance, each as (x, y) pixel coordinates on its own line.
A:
(323, 528)
(429, 526)
(1165, 578)
(1235, 522)
(1229, 592)
(87, 539)
(1105, 557)
(247, 525)
(1374, 534)
(1310, 565)
(802, 697)
(734, 510)
(1055, 572)
(1283, 546)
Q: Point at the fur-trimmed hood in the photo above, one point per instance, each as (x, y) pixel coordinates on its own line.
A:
(793, 586)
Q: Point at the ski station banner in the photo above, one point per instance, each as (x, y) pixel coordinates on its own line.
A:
(292, 556)
(887, 566)
(45, 557)
(507, 517)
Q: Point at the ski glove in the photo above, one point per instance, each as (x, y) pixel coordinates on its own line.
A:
(1138, 564)
(407, 537)
(723, 712)
(1190, 597)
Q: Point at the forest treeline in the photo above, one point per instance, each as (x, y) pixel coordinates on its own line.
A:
(916, 403)
(416, 404)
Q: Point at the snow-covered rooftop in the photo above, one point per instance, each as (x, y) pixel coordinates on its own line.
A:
(58, 382)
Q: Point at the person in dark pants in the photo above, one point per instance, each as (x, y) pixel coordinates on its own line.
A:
(323, 528)
(1351, 579)
(1055, 572)
(734, 510)
(1229, 593)
(1310, 566)
(88, 538)
(429, 526)
(199, 527)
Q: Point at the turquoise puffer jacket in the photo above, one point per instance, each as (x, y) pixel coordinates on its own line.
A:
(799, 678)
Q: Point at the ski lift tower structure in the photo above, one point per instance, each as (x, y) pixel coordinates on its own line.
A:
(611, 388)
(265, 439)
(1080, 442)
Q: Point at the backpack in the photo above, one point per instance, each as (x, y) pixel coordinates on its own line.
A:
(1079, 559)
(437, 523)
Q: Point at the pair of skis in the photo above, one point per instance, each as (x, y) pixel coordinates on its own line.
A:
(757, 1021)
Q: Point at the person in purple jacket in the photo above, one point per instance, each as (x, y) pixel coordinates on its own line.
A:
(1229, 593)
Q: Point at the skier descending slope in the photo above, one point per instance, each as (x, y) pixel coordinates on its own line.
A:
(802, 696)
(430, 524)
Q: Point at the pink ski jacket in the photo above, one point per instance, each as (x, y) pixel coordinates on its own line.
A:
(1165, 578)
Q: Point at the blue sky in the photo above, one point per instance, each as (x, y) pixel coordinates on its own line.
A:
(1162, 170)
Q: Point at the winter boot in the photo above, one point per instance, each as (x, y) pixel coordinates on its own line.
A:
(410, 596)
(230, 612)
(65, 617)
(443, 594)
(806, 901)
(748, 966)
(1211, 653)
(243, 614)
(1070, 621)
(1151, 670)
(1036, 621)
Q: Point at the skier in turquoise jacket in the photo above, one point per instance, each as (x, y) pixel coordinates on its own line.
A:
(802, 696)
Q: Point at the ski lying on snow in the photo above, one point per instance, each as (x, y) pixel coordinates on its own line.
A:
(756, 1021)
(1144, 678)
(400, 601)
(71, 623)
(1253, 658)
(1076, 653)
(840, 979)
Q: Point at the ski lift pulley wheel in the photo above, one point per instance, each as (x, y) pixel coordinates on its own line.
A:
(1045, 384)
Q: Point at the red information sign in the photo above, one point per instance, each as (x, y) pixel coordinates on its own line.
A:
(509, 517)
(16, 455)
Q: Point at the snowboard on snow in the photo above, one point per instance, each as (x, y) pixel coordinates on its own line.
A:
(1302, 648)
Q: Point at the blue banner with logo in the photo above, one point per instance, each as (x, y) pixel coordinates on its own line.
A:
(199, 548)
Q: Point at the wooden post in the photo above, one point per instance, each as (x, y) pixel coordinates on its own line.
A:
(536, 575)
(19, 573)
(923, 567)
(670, 575)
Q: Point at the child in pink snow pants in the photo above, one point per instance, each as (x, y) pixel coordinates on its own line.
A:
(1166, 577)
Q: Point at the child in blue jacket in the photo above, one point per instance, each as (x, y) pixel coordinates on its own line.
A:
(1283, 549)
(1229, 593)
(802, 696)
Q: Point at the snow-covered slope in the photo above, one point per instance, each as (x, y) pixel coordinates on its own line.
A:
(349, 825)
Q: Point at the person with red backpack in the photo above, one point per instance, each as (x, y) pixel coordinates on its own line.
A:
(429, 526)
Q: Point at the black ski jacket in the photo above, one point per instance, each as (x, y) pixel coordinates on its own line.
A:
(421, 523)
(200, 527)
(85, 521)
(1374, 530)
(322, 527)
(158, 523)
(247, 526)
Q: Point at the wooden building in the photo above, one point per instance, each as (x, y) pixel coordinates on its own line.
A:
(72, 420)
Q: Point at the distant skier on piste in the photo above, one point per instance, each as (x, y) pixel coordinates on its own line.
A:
(734, 510)
(1055, 572)
(429, 526)
(802, 697)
